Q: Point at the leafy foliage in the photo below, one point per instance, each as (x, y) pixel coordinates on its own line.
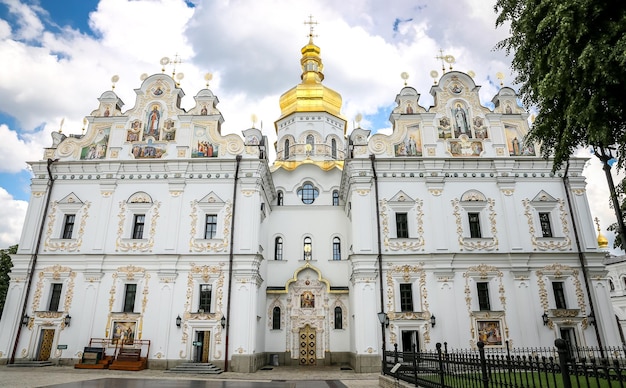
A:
(570, 57)
(5, 268)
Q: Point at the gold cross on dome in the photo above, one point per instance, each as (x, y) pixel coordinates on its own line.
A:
(311, 24)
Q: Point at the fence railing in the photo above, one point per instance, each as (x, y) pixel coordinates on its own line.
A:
(561, 366)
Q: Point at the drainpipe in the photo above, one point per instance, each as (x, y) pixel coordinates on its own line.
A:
(33, 258)
(379, 258)
(230, 262)
(581, 257)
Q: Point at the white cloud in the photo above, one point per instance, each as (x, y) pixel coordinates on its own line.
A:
(253, 50)
(12, 213)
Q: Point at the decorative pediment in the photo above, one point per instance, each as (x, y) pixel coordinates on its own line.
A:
(402, 197)
(140, 197)
(473, 196)
(212, 199)
(542, 196)
(71, 199)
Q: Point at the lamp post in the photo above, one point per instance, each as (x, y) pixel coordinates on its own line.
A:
(384, 322)
(605, 155)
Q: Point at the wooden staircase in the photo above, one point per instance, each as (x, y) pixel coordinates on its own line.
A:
(129, 359)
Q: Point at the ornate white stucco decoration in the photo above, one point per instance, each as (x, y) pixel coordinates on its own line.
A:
(558, 271)
(412, 243)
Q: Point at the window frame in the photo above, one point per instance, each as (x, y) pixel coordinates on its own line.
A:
(558, 291)
(545, 224)
(138, 226)
(338, 316)
(280, 198)
(286, 150)
(406, 297)
(276, 313)
(130, 298)
(473, 219)
(278, 248)
(336, 249)
(205, 297)
(307, 248)
(402, 225)
(69, 220)
(483, 297)
(54, 301)
(335, 197)
(333, 148)
(308, 193)
(210, 228)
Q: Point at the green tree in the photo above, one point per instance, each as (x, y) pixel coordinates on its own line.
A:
(620, 190)
(570, 56)
(5, 268)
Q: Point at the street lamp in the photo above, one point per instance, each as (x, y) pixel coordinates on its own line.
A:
(433, 320)
(545, 318)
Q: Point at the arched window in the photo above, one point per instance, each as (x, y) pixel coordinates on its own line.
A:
(333, 148)
(276, 318)
(308, 193)
(335, 198)
(307, 248)
(338, 318)
(310, 142)
(279, 198)
(286, 150)
(611, 285)
(336, 248)
(278, 248)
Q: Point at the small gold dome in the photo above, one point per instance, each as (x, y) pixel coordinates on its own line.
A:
(603, 242)
(310, 95)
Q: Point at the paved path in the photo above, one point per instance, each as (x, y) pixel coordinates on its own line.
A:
(278, 377)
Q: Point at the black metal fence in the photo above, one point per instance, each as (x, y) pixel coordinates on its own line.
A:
(561, 366)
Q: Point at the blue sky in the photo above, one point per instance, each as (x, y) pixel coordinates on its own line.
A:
(60, 55)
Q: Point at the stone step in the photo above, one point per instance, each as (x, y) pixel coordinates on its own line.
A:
(195, 368)
(29, 364)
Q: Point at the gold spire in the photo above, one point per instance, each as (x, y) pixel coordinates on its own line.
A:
(603, 242)
(310, 95)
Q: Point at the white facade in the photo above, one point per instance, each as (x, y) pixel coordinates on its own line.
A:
(171, 219)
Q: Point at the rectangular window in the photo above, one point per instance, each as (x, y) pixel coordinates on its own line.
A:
(205, 298)
(336, 249)
(474, 224)
(68, 226)
(546, 228)
(210, 226)
(129, 298)
(483, 296)
(138, 224)
(402, 225)
(559, 295)
(55, 296)
(406, 297)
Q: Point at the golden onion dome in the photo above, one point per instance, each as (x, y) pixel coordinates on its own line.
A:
(603, 242)
(310, 95)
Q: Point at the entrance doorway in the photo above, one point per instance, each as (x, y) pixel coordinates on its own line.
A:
(307, 346)
(569, 336)
(45, 344)
(409, 341)
(202, 346)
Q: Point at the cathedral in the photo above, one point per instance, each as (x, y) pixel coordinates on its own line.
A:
(154, 231)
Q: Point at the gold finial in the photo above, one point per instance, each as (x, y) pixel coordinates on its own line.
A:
(405, 76)
(176, 61)
(164, 61)
(208, 77)
(311, 24)
(603, 242)
(61, 125)
(449, 59)
(434, 75)
(500, 76)
(179, 77)
(84, 124)
(254, 119)
(114, 80)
